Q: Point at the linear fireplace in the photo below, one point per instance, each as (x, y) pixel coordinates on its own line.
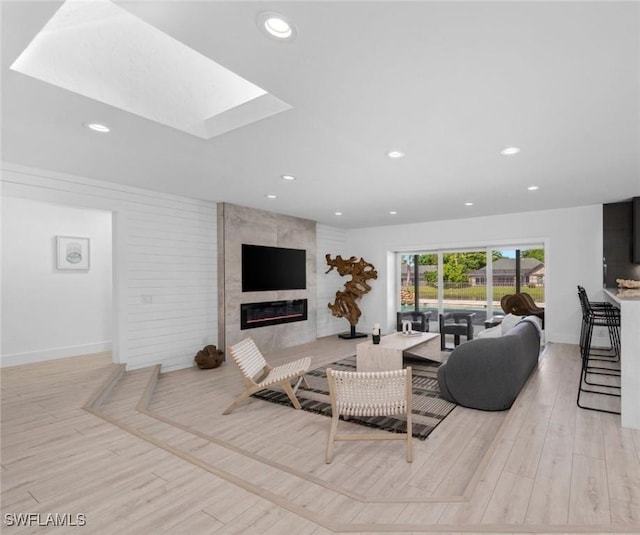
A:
(253, 315)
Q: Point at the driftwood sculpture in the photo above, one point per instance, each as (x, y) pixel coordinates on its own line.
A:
(345, 305)
(521, 304)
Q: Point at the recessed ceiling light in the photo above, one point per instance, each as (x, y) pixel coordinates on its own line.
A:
(287, 177)
(99, 127)
(277, 26)
(395, 154)
(393, 212)
(510, 151)
(468, 204)
(338, 213)
(270, 196)
(533, 188)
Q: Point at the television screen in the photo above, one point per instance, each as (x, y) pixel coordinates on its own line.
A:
(273, 268)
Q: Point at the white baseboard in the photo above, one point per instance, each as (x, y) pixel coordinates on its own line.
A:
(561, 338)
(175, 367)
(52, 354)
(167, 365)
(596, 341)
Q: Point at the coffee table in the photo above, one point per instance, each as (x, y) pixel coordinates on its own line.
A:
(387, 355)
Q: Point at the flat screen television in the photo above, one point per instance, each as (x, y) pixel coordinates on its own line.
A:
(273, 268)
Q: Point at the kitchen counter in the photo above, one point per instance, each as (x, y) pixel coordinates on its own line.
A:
(618, 295)
(628, 301)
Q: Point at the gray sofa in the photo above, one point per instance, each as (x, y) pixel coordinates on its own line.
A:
(488, 373)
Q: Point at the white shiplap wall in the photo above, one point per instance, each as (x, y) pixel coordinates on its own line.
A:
(165, 263)
(333, 241)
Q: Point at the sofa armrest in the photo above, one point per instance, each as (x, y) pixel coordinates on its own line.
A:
(488, 373)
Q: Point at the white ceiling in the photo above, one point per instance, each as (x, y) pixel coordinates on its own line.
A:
(99, 50)
(448, 83)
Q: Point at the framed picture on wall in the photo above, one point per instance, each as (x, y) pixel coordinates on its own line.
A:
(73, 252)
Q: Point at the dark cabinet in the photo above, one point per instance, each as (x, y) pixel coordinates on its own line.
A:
(618, 242)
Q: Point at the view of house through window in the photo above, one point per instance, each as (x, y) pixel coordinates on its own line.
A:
(469, 281)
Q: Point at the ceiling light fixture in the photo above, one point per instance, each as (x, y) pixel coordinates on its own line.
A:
(393, 212)
(338, 213)
(510, 151)
(98, 127)
(271, 196)
(533, 188)
(276, 26)
(468, 204)
(287, 177)
(394, 154)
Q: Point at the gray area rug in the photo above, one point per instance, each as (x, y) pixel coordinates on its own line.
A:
(429, 409)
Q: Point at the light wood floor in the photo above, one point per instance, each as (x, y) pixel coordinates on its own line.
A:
(155, 455)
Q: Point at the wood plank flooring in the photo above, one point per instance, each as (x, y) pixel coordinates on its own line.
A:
(155, 455)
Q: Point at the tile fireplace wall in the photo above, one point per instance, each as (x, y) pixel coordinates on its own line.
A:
(238, 225)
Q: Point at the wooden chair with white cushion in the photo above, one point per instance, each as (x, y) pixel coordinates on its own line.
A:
(386, 393)
(258, 375)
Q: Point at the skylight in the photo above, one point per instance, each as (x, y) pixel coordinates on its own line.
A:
(99, 50)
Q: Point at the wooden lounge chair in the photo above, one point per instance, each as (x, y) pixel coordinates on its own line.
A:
(258, 375)
(385, 393)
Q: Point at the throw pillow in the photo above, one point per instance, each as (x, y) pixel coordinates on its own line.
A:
(509, 322)
(536, 321)
(493, 332)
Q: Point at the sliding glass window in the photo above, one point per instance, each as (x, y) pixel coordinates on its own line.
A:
(470, 281)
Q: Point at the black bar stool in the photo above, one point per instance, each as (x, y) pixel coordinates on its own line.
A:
(598, 308)
(599, 314)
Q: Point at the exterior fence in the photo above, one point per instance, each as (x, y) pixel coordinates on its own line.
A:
(462, 291)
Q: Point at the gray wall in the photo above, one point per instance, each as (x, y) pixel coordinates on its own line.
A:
(238, 225)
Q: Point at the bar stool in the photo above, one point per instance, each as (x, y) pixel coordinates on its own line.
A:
(598, 314)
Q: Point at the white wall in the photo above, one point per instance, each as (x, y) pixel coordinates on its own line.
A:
(50, 313)
(165, 258)
(573, 240)
(165, 263)
(329, 240)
